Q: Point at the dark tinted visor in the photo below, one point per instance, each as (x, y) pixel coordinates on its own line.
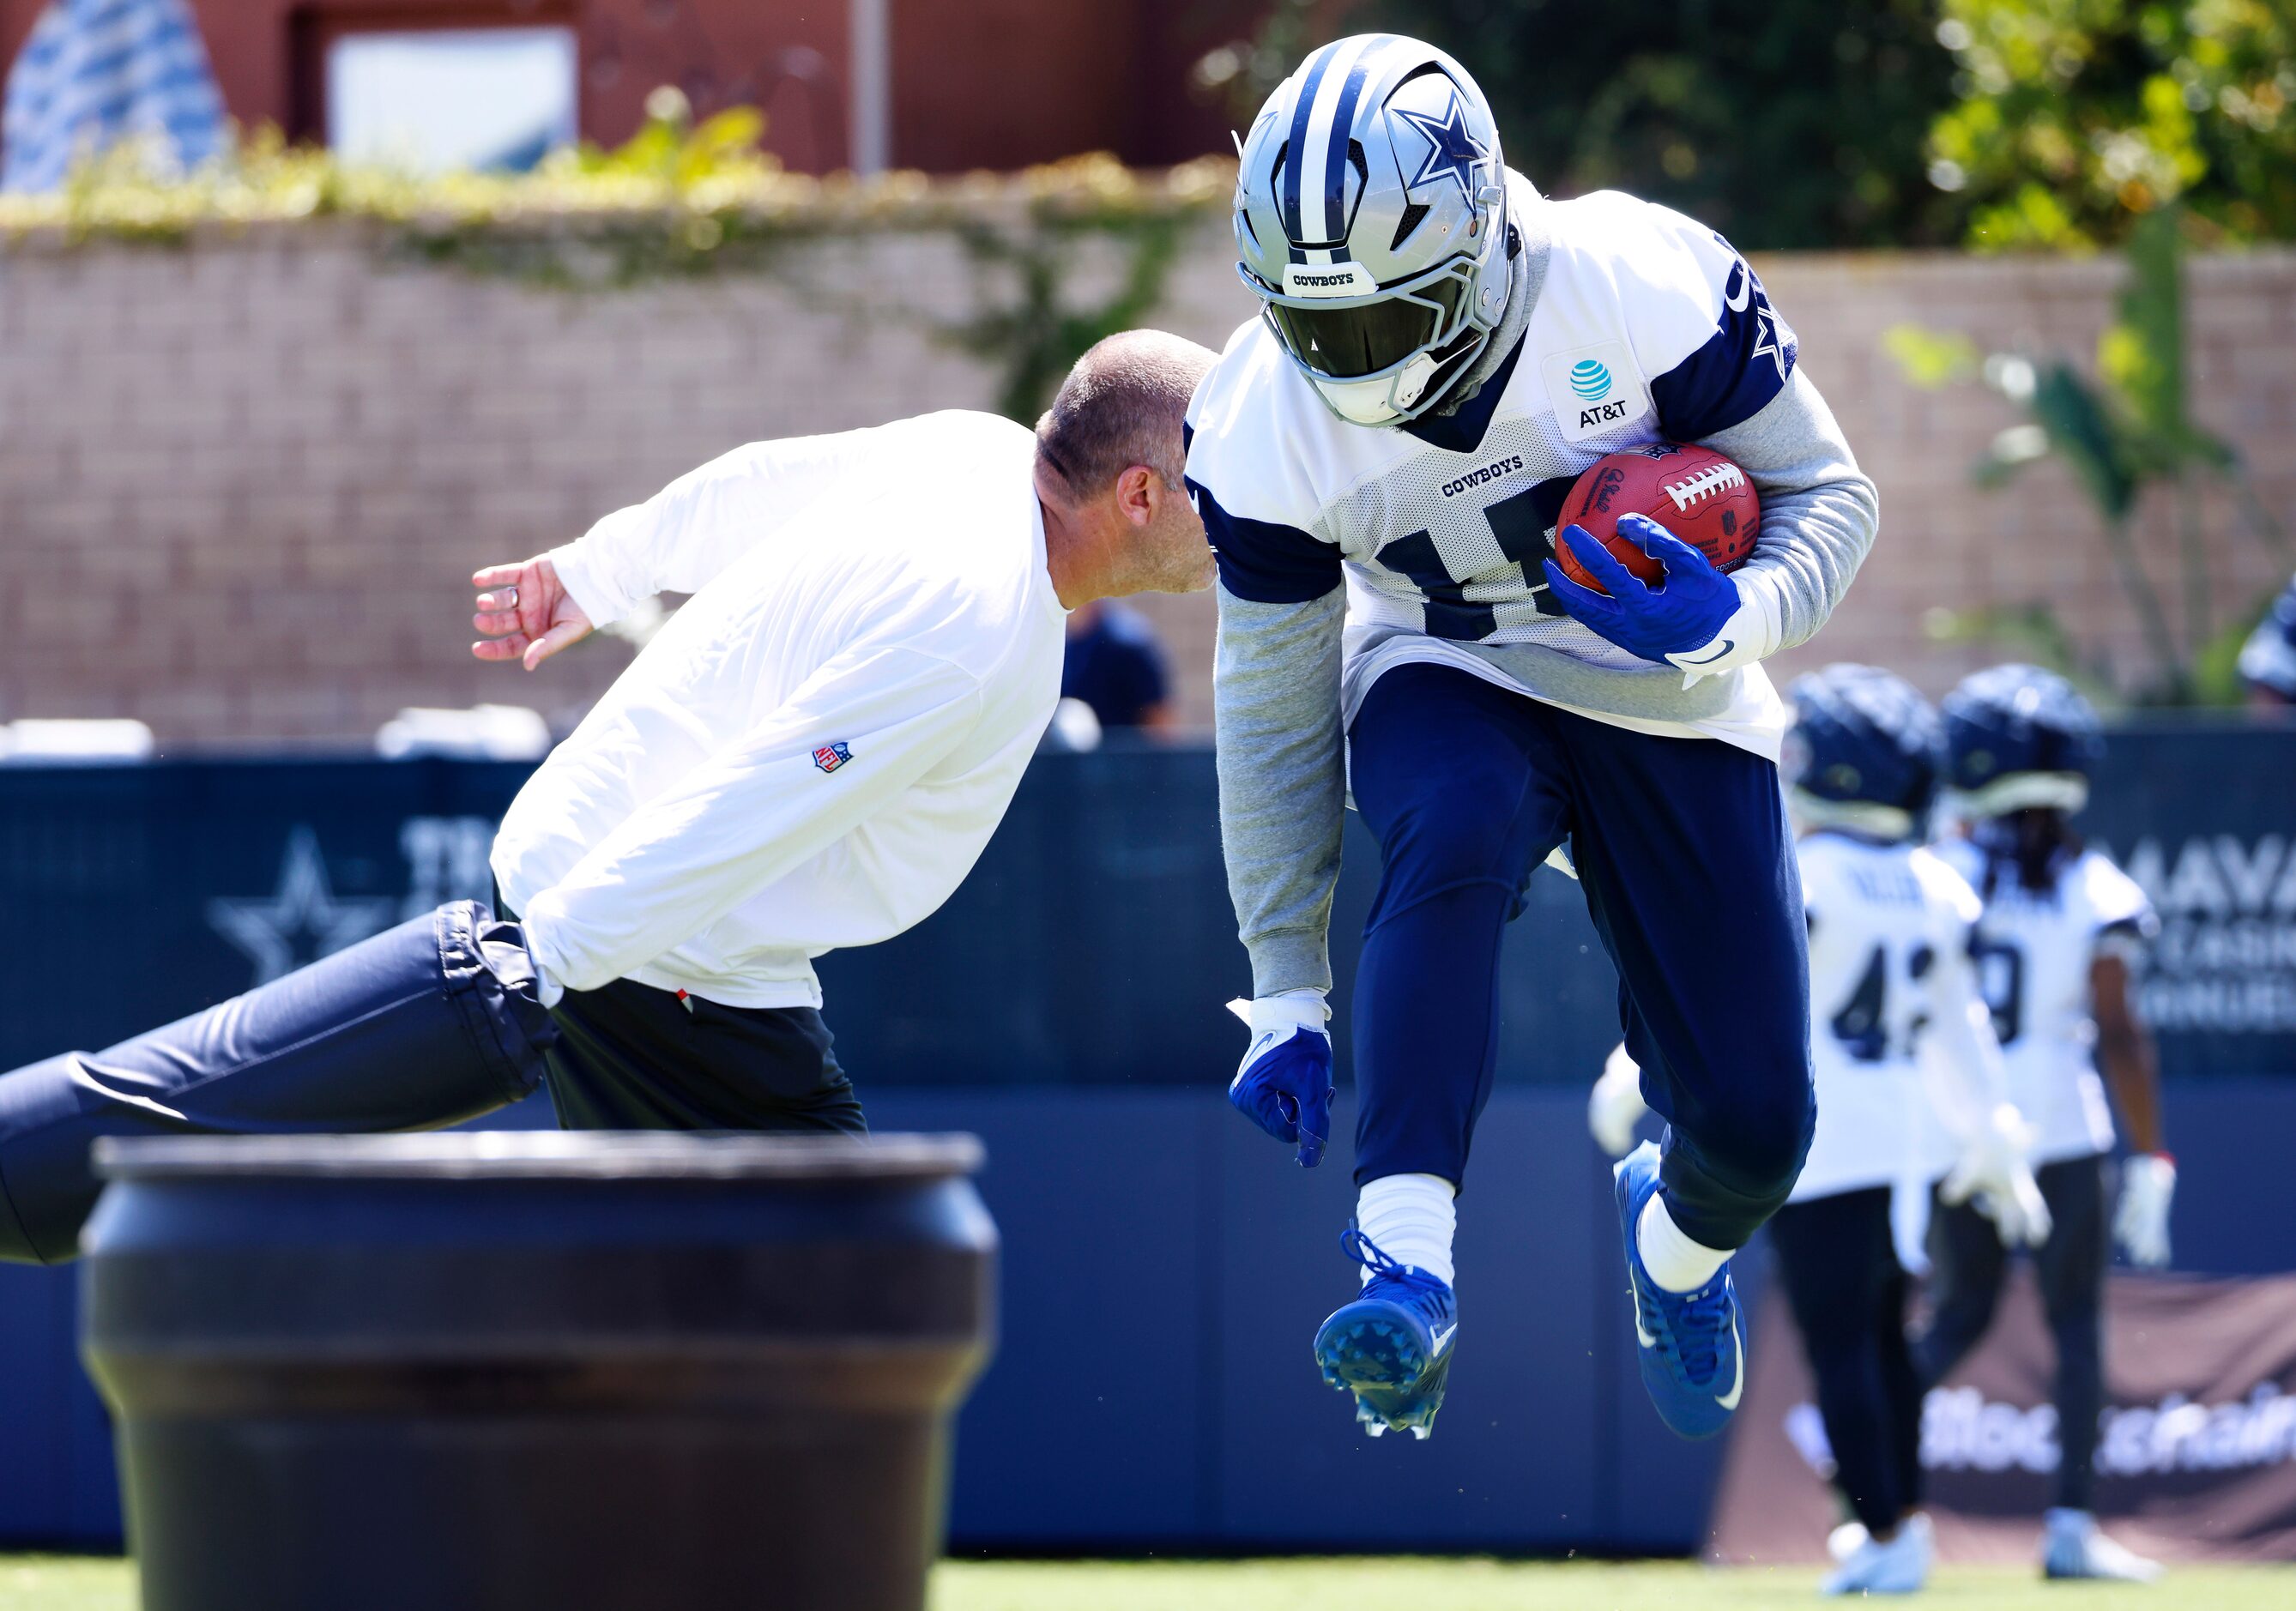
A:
(1344, 342)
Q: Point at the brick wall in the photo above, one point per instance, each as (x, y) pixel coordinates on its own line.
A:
(242, 484)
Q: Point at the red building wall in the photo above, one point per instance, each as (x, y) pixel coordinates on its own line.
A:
(976, 83)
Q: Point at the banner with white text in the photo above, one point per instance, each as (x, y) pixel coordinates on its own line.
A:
(2196, 1457)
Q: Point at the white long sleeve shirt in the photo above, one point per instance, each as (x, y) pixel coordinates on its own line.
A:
(814, 751)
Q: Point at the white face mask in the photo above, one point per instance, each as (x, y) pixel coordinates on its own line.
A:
(1382, 399)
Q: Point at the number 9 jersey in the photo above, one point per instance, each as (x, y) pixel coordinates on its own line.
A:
(1891, 931)
(2035, 949)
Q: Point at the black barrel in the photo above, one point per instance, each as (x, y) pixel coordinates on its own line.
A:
(516, 1371)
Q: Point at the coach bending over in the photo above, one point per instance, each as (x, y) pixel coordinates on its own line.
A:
(810, 755)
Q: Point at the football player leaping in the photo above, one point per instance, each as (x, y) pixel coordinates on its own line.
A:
(1901, 1030)
(2061, 926)
(1379, 461)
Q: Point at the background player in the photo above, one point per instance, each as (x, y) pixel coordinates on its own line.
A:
(2267, 658)
(1442, 351)
(2061, 926)
(1899, 1029)
(810, 755)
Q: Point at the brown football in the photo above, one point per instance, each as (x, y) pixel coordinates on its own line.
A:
(1694, 492)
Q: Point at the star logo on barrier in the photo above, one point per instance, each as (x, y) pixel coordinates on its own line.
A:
(1452, 152)
(303, 920)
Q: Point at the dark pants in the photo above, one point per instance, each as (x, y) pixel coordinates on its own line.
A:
(1682, 848)
(1967, 1264)
(431, 1024)
(630, 1056)
(1848, 1292)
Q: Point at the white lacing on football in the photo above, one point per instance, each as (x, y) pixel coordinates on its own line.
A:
(1718, 478)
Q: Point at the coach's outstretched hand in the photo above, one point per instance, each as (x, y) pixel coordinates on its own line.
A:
(1285, 1083)
(525, 612)
(1695, 620)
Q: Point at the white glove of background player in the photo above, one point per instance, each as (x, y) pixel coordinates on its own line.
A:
(1993, 1171)
(2148, 1180)
(1616, 1106)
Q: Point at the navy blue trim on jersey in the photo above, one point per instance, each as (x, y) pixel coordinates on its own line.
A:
(1731, 378)
(1264, 560)
(1521, 522)
(1463, 429)
(1449, 612)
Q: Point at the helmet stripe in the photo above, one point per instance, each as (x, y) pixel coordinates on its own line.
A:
(1321, 102)
(1335, 151)
(1311, 78)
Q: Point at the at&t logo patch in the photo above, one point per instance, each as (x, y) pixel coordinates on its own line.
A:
(1590, 380)
(1595, 392)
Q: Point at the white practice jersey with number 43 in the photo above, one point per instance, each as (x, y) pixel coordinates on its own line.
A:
(1889, 953)
(2034, 951)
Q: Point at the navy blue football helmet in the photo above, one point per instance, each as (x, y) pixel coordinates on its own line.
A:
(2018, 736)
(2268, 660)
(1866, 751)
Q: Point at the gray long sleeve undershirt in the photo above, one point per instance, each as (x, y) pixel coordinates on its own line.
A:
(1276, 683)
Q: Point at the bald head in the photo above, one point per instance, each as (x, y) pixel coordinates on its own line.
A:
(1109, 454)
(1122, 405)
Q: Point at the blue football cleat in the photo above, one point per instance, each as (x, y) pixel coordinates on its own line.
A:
(1692, 1345)
(1392, 1346)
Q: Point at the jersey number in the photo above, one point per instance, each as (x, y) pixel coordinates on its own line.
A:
(1520, 522)
(2001, 978)
(1862, 1023)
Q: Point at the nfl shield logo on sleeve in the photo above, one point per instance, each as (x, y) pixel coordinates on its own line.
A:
(829, 758)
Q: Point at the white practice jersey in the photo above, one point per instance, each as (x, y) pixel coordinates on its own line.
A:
(2034, 953)
(1646, 326)
(813, 752)
(1890, 927)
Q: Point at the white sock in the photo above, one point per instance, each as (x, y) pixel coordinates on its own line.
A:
(1411, 1219)
(1674, 1261)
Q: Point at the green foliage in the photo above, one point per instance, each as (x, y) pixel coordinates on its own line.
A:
(2078, 117)
(2121, 434)
(1783, 123)
(1931, 359)
(681, 200)
(2033, 633)
(1036, 336)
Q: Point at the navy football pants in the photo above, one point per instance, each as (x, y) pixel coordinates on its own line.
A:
(1848, 1292)
(1682, 848)
(1967, 1265)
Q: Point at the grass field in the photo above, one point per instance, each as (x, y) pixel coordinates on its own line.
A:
(66, 1584)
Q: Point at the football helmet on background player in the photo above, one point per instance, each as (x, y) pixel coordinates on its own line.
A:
(1863, 754)
(1371, 215)
(2020, 737)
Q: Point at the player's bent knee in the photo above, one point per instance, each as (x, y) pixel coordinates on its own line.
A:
(1760, 1145)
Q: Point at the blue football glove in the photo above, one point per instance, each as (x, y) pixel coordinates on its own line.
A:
(1283, 1084)
(1695, 620)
